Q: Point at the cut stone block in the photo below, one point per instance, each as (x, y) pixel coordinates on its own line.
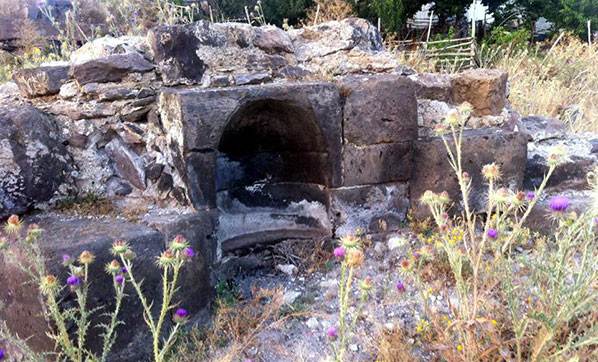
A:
(387, 162)
(379, 109)
(480, 147)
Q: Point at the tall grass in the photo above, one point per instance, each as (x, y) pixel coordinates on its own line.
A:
(561, 82)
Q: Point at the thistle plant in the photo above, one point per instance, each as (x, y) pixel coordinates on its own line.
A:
(71, 346)
(171, 261)
(350, 254)
(562, 279)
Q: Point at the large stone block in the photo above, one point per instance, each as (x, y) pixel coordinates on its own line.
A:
(387, 162)
(111, 68)
(433, 86)
(200, 178)
(291, 118)
(71, 235)
(373, 208)
(379, 109)
(480, 147)
(42, 81)
(34, 164)
(484, 89)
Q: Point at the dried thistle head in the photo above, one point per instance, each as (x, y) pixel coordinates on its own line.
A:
(86, 257)
(491, 172)
(113, 267)
(48, 285)
(354, 258)
(13, 225)
(350, 241)
(557, 155)
(119, 247)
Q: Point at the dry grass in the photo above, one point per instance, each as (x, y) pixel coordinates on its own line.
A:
(235, 328)
(329, 10)
(557, 79)
(563, 83)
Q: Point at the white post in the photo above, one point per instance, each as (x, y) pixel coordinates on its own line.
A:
(429, 27)
(473, 18)
(247, 15)
(317, 14)
(590, 33)
(211, 14)
(379, 24)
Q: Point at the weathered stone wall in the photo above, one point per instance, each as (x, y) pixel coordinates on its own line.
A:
(143, 117)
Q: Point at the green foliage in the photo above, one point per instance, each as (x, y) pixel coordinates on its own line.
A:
(276, 11)
(515, 39)
(391, 12)
(226, 293)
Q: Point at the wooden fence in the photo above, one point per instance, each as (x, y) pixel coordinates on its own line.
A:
(456, 53)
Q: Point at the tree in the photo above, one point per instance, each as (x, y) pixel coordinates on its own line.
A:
(393, 14)
(571, 15)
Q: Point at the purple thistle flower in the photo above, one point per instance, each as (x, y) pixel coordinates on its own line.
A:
(180, 316)
(492, 233)
(559, 203)
(124, 270)
(530, 195)
(401, 287)
(119, 279)
(189, 252)
(332, 333)
(181, 312)
(66, 260)
(73, 281)
(2, 354)
(339, 252)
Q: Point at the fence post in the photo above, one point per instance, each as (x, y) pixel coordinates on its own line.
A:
(429, 28)
(247, 15)
(590, 33)
(473, 6)
(317, 15)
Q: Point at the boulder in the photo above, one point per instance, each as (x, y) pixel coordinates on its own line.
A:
(378, 109)
(272, 40)
(111, 68)
(127, 164)
(108, 45)
(184, 53)
(331, 37)
(480, 147)
(484, 89)
(34, 164)
(41, 81)
(545, 134)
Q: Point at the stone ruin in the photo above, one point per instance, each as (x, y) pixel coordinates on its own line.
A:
(235, 136)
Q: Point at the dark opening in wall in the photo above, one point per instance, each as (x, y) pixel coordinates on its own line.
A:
(271, 141)
(272, 174)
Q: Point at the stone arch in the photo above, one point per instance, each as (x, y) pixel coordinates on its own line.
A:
(273, 171)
